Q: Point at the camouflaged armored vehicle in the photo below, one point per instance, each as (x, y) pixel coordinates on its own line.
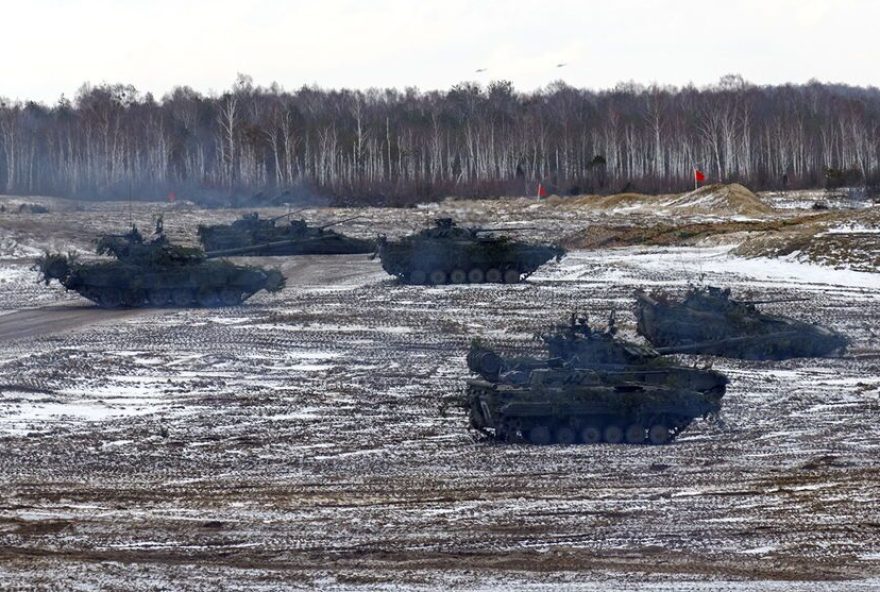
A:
(449, 254)
(708, 321)
(567, 406)
(577, 345)
(252, 235)
(156, 273)
(593, 387)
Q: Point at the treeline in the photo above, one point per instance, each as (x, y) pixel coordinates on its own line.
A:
(396, 147)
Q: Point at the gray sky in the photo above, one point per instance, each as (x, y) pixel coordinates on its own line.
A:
(49, 47)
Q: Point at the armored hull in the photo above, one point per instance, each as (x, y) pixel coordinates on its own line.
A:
(252, 235)
(450, 254)
(156, 274)
(567, 407)
(708, 321)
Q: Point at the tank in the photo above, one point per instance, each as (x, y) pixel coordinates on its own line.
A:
(616, 360)
(448, 253)
(156, 273)
(708, 321)
(252, 235)
(569, 406)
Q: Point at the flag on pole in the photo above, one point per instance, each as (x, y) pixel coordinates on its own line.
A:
(542, 191)
(699, 177)
(172, 197)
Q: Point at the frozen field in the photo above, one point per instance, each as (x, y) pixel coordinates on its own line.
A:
(305, 439)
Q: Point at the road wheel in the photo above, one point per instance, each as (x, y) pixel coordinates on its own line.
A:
(110, 298)
(591, 435)
(230, 296)
(182, 297)
(635, 434)
(457, 276)
(476, 276)
(658, 434)
(418, 277)
(209, 298)
(493, 276)
(159, 297)
(613, 434)
(133, 298)
(564, 435)
(438, 277)
(511, 276)
(506, 431)
(539, 434)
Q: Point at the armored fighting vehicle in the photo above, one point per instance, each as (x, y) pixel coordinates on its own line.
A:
(156, 273)
(616, 360)
(448, 253)
(708, 321)
(252, 235)
(593, 387)
(567, 405)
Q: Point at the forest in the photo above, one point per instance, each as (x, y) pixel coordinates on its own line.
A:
(254, 144)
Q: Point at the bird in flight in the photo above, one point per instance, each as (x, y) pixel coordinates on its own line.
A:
(481, 70)
(561, 65)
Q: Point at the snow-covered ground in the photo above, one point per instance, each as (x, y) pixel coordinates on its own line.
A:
(303, 440)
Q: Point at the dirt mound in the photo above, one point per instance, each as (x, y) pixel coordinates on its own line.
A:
(687, 233)
(841, 240)
(720, 198)
(616, 201)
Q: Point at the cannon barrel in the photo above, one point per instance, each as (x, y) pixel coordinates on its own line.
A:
(287, 215)
(329, 224)
(251, 248)
(773, 301)
(506, 229)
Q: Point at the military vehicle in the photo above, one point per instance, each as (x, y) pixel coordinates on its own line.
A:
(618, 361)
(567, 406)
(593, 387)
(252, 235)
(448, 253)
(156, 273)
(708, 321)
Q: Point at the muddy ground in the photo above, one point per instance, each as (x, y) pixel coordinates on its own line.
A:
(305, 438)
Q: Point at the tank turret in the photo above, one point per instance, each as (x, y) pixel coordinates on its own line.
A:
(448, 253)
(708, 321)
(155, 273)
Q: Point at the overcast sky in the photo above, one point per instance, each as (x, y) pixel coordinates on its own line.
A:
(50, 47)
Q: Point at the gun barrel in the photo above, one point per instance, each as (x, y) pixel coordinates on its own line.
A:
(252, 248)
(329, 224)
(287, 215)
(774, 301)
(506, 229)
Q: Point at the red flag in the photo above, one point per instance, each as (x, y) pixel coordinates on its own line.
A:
(542, 192)
(172, 197)
(699, 177)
